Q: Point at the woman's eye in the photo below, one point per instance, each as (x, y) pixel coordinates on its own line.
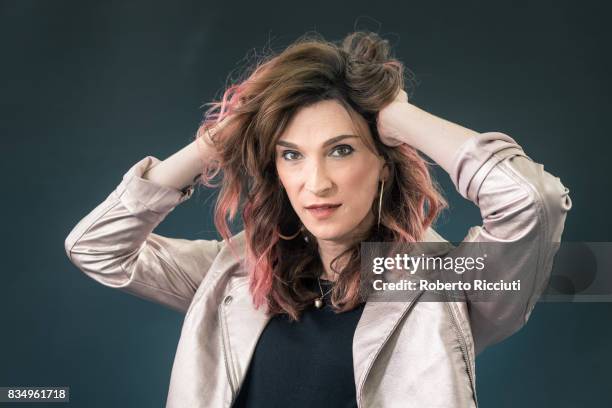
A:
(287, 155)
(344, 150)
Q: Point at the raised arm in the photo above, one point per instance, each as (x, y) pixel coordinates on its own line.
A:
(114, 243)
(182, 168)
(520, 203)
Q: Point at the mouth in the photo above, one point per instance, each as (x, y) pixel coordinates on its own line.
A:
(323, 211)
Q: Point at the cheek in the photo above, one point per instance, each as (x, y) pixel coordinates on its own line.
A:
(359, 188)
(283, 177)
(289, 184)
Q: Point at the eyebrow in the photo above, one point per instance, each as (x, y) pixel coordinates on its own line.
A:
(327, 142)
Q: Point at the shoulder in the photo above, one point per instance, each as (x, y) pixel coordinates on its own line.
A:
(232, 255)
(227, 270)
(436, 244)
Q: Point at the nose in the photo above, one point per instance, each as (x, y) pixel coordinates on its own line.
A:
(317, 180)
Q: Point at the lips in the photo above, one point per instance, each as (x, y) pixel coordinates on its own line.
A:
(317, 206)
(323, 211)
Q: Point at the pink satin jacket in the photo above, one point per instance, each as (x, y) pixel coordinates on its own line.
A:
(405, 354)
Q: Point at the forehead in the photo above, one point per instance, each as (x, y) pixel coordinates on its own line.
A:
(321, 121)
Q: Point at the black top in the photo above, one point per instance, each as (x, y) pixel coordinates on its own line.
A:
(304, 364)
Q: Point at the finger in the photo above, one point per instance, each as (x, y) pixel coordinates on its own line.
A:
(392, 142)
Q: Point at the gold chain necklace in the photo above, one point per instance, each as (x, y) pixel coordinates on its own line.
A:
(318, 302)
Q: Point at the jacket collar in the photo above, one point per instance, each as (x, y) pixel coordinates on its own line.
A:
(370, 336)
(371, 333)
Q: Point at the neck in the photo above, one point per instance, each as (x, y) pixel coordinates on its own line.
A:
(328, 250)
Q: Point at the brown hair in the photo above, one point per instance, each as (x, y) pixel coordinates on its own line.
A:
(358, 72)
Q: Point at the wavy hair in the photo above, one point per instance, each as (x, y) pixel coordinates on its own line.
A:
(358, 72)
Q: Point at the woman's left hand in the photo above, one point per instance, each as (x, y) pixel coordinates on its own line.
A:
(386, 124)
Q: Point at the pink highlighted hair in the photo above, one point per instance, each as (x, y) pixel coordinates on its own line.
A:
(243, 128)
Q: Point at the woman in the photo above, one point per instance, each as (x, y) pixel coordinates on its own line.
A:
(319, 151)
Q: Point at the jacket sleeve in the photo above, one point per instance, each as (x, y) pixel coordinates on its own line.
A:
(523, 208)
(114, 243)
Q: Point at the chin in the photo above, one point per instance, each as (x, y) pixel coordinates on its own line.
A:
(330, 234)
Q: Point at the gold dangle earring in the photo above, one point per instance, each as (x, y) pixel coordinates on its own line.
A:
(382, 186)
(290, 237)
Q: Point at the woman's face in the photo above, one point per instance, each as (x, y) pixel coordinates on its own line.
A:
(320, 160)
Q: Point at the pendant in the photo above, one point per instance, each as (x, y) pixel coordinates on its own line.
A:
(318, 303)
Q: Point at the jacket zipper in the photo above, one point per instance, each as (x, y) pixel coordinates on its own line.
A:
(227, 358)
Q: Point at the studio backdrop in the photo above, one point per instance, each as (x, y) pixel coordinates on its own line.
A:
(90, 88)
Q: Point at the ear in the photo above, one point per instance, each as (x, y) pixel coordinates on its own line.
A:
(385, 172)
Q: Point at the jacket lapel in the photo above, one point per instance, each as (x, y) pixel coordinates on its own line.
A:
(244, 326)
(380, 319)
(377, 323)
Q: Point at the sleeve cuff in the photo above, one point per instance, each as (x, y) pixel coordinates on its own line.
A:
(145, 198)
(476, 157)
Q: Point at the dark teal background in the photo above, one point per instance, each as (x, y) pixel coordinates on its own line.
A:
(90, 87)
